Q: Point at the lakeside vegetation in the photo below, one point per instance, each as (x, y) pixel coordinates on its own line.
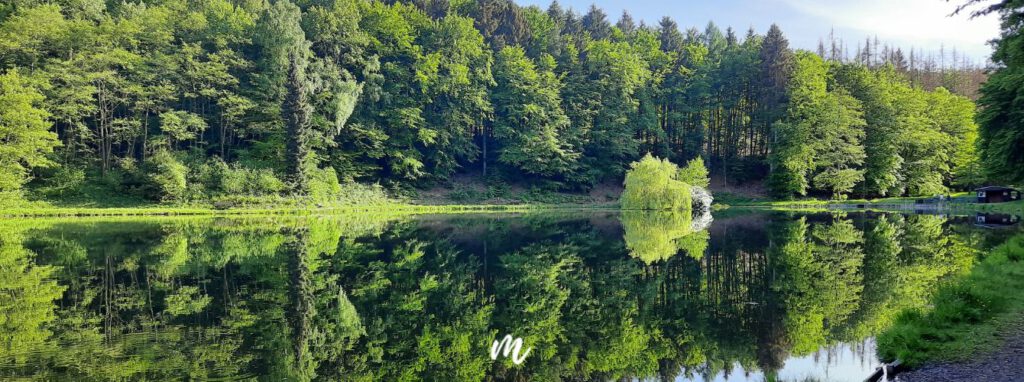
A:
(297, 206)
(657, 184)
(967, 318)
(396, 208)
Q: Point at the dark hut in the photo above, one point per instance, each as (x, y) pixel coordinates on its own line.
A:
(997, 194)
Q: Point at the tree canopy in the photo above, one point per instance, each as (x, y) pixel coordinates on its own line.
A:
(412, 94)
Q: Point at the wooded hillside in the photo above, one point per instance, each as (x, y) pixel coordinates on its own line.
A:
(179, 100)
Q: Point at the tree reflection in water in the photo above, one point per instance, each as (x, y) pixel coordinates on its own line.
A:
(422, 298)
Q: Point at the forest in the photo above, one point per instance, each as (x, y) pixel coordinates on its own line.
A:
(193, 100)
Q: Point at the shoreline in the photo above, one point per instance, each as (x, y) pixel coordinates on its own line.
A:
(396, 208)
(1004, 363)
(413, 208)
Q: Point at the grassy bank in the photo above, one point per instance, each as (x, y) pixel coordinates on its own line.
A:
(397, 208)
(348, 198)
(468, 196)
(969, 317)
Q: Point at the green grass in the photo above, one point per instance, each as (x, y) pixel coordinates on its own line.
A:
(278, 207)
(969, 317)
(297, 210)
(99, 202)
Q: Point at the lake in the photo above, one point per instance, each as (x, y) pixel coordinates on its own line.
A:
(595, 295)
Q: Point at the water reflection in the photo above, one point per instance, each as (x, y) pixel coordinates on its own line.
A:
(757, 296)
(995, 220)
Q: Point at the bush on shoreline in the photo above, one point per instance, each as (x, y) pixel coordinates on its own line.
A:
(651, 184)
(658, 184)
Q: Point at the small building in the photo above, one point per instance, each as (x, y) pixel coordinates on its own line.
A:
(997, 194)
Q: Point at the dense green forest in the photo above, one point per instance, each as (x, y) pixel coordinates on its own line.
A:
(190, 100)
(1001, 138)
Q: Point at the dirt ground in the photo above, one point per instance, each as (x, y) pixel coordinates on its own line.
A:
(1007, 365)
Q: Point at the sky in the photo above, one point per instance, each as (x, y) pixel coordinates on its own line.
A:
(922, 24)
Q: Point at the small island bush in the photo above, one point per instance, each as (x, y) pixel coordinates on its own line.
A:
(653, 184)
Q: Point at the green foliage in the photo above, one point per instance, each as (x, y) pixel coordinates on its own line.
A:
(877, 93)
(186, 301)
(323, 184)
(657, 236)
(181, 125)
(839, 154)
(65, 181)
(954, 117)
(1001, 133)
(790, 161)
(967, 313)
(694, 173)
(530, 121)
(412, 94)
(820, 138)
(605, 106)
(651, 184)
(25, 134)
(166, 176)
(256, 182)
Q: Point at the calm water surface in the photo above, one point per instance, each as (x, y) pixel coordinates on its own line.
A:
(597, 295)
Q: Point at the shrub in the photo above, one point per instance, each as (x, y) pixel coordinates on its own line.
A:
(11, 199)
(255, 182)
(66, 180)
(498, 189)
(695, 173)
(210, 174)
(463, 194)
(323, 184)
(263, 182)
(362, 194)
(651, 184)
(219, 178)
(166, 177)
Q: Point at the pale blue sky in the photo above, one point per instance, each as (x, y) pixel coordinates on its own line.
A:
(904, 23)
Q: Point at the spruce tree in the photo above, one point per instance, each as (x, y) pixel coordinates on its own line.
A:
(596, 22)
(626, 23)
(296, 113)
(776, 70)
(669, 36)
